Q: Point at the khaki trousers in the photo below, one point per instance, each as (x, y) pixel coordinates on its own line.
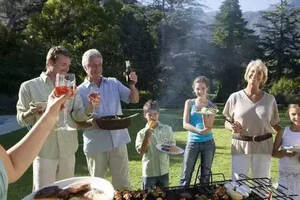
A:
(258, 164)
(117, 161)
(47, 171)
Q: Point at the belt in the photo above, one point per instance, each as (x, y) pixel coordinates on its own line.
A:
(255, 138)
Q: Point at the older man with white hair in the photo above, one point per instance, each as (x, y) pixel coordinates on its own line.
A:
(106, 148)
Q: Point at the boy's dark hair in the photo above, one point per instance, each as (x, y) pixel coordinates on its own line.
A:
(151, 105)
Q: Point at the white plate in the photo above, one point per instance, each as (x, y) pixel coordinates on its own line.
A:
(97, 183)
(179, 150)
(292, 148)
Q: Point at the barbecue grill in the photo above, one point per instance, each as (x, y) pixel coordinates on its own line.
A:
(261, 188)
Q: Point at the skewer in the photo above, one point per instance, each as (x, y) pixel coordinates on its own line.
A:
(231, 122)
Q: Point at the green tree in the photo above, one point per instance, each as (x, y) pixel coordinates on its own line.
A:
(16, 12)
(182, 35)
(139, 40)
(79, 25)
(280, 40)
(234, 45)
(286, 90)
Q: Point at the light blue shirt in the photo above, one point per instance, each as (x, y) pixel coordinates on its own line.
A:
(112, 92)
(3, 182)
(197, 121)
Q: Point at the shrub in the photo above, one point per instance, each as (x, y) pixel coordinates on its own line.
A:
(286, 90)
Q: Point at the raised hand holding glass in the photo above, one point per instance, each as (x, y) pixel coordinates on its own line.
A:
(64, 84)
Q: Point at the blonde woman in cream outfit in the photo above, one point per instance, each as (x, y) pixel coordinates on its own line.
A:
(254, 117)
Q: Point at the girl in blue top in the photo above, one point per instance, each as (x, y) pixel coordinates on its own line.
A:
(15, 161)
(200, 140)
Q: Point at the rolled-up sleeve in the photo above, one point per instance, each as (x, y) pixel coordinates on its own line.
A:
(139, 140)
(229, 108)
(123, 91)
(275, 114)
(79, 111)
(23, 106)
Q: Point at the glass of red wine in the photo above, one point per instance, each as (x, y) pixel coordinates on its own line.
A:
(95, 97)
(63, 84)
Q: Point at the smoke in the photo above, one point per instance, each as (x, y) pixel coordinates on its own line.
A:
(184, 48)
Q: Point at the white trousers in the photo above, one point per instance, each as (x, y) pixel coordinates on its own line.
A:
(117, 161)
(47, 171)
(258, 164)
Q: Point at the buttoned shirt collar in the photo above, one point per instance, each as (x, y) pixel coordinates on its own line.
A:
(87, 83)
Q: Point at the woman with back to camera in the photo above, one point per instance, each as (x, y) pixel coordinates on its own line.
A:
(252, 116)
(15, 161)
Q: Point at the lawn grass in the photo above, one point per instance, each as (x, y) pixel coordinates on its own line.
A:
(172, 117)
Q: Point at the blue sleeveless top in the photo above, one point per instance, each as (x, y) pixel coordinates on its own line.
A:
(3, 182)
(197, 121)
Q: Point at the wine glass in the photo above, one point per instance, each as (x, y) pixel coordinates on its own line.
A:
(94, 96)
(64, 84)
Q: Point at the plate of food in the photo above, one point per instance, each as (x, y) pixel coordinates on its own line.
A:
(169, 149)
(292, 148)
(76, 188)
(114, 122)
(208, 110)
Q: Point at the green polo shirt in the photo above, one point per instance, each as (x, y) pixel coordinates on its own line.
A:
(59, 144)
(154, 162)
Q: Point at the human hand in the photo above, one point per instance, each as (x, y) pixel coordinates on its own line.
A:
(151, 124)
(208, 120)
(56, 104)
(37, 108)
(236, 127)
(289, 153)
(94, 99)
(133, 78)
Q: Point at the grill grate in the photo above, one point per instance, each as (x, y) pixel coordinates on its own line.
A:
(262, 188)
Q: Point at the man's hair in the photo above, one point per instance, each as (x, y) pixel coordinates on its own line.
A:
(54, 52)
(150, 105)
(91, 53)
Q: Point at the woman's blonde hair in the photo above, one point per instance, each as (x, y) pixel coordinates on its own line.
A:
(261, 66)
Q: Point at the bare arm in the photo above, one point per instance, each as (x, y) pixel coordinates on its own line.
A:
(19, 157)
(277, 128)
(277, 152)
(146, 140)
(134, 93)
(186, 121)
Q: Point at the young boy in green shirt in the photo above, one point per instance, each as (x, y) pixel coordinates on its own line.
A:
(155, 164)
